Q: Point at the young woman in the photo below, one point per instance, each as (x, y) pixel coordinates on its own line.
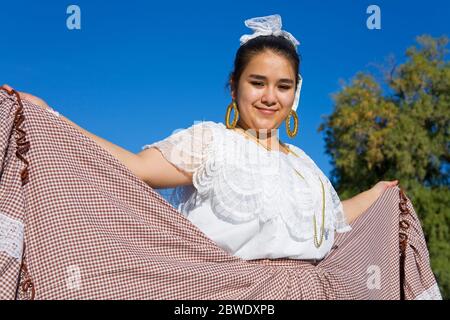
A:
(84, 222)
(253, 195)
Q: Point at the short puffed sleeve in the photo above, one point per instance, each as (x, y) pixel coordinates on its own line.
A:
(187, 148)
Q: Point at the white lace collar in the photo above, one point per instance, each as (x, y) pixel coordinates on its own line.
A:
(240, 190)
(242, 181)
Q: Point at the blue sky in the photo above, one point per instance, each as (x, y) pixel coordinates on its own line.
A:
(138, 70)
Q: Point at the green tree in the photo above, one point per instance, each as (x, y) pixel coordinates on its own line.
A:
(398, 128)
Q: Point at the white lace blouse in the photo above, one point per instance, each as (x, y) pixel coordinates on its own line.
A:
(248, 200)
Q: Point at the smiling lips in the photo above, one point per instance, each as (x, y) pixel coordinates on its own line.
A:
(266, 111)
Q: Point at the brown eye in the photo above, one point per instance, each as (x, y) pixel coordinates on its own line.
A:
(285, 87)
(257, 83)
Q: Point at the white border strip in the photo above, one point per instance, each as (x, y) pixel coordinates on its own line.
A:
(11, 236)
(432, 293)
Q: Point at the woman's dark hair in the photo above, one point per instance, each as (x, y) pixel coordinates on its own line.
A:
(255, 46)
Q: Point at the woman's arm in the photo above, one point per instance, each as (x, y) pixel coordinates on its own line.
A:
(149, 165)
(356, 205)
(130, 160)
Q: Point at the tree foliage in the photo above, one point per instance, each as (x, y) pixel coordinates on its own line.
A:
(398, 128)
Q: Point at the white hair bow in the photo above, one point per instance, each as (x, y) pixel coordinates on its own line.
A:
(271, 25)
(265, 26)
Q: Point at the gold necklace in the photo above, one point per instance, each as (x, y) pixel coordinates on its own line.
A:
(317, 243)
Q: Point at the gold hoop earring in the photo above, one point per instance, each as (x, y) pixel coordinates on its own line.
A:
(236, 115)
(288, 124)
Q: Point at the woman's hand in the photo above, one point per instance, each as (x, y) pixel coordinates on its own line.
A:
(358, 204)
(381, 186)
(28, 97)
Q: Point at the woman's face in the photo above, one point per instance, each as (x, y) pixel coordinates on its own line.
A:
(265, 92)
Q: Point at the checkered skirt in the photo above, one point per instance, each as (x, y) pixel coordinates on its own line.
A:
(75, 223)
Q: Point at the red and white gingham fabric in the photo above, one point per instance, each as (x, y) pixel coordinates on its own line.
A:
(80, 225)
